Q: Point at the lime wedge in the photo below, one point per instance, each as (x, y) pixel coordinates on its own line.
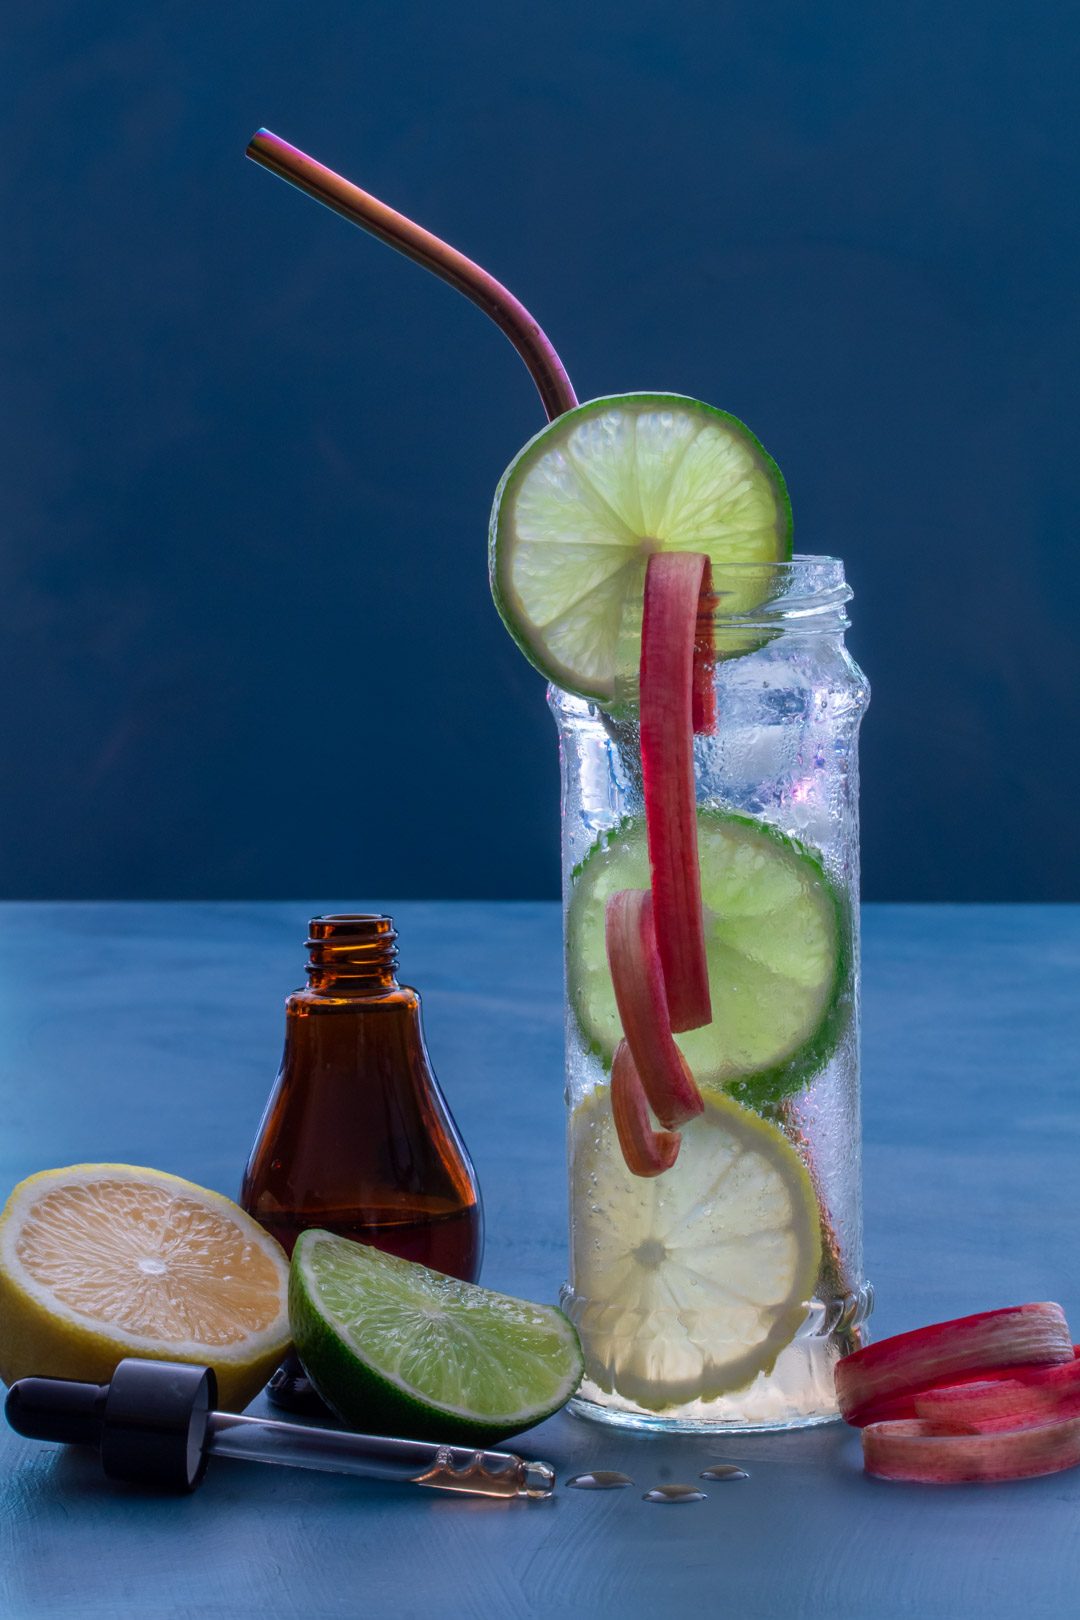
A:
(689, 1285)
(396, 1348)
(581, 508)
(774, 944)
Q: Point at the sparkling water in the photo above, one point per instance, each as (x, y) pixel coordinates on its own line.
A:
(790, 700)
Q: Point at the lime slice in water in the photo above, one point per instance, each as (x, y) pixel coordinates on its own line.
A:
(396, 1348)
(690, 1284)
(584, 504)
(774, 943)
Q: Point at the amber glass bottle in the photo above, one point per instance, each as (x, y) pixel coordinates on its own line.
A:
(357, 1137)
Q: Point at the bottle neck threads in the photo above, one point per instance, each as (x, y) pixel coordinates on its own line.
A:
(352, 952)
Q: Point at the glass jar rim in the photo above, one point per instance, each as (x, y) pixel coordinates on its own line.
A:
(797, 560)
(805, 589)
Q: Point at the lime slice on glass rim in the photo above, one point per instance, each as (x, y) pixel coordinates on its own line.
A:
(692, 1283)
(582, 507)
(774, 946)
(396, 1348)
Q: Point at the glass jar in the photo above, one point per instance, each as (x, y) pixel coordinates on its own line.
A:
(777, 791)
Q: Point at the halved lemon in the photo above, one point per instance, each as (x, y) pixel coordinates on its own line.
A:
(103, 1261)
(686, 1286)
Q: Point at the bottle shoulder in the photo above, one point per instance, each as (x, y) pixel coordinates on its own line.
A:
(320, 1003)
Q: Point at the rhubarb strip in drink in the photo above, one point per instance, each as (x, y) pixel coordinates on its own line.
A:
(673, 583)
(645, 1150)
(638, 979)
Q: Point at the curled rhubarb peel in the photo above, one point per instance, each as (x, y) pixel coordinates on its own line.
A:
(986, 1378)
(987, 1406)
(673, 584)
(647, 1152)
(924, 1452)
(703, 696)
(638, 978)
(869, 1382)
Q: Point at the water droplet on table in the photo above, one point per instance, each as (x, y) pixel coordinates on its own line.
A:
(724, 1471)
(601, 1479)
(674, 1493)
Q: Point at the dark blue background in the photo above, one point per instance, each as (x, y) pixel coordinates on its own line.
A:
(248, 454)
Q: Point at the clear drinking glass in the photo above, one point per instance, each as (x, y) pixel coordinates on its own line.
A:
(784, 753)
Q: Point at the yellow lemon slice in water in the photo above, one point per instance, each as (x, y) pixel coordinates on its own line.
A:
(688, 1285)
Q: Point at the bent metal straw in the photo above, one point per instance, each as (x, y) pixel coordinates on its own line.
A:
(373, 216)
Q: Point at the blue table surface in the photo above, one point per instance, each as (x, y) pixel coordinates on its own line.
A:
(150, 1034)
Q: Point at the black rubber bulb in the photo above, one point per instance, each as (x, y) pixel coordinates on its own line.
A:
(150, 1423)
(57, 1409)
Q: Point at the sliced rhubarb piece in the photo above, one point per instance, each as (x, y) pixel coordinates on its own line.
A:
(898, 1368)
(922, 1451)
(904, 1406)
(673, 582)
(647, 1152)
(1004, 1403)
(638, 978)
(703, 698)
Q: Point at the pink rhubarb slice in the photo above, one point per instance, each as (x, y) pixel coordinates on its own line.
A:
(987, 1406)
(869, 1382)
(638, 978)
(673, 583)
(647, 1152)
(703, 697)
(926, 1453)
(904, 1406)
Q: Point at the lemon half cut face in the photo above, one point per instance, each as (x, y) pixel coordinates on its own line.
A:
(103, 1261)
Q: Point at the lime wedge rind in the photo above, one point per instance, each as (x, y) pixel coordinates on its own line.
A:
(809, 1018)
(626, 473)
(395, 1347)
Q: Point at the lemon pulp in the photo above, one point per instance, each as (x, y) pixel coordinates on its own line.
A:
(98, 1262)
(687, 1286)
